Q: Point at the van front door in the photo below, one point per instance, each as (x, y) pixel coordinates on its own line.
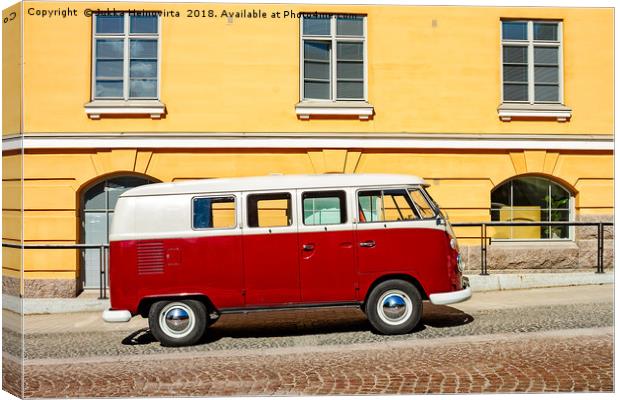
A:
(270, 259)
(397, 236)
(326, 253)
(386, 238)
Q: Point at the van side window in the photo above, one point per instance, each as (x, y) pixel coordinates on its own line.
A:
(324, 208)
(385, 205)
(269, 210)
(423, 205)
(213, 212)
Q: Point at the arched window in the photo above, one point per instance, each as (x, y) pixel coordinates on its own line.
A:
(531, 199)
(98, 204)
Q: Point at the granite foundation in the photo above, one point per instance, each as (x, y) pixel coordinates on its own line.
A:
(41, 288)
(10, 286)
(580, 254)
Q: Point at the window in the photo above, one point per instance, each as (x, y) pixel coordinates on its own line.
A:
(269, 210)
(424, 207)
(213, 212)
(531, 61)
(333, 66)
(532, 83)
(324, 208)
(126, 56)
(385, 205)
(98, 209)
(531, 199)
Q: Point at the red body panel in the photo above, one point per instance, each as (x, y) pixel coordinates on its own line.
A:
(328, 272)
(421, 253)
(201, 265)
(236, 271)
(271, 269)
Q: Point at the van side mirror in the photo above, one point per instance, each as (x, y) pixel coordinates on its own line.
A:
(440, 220)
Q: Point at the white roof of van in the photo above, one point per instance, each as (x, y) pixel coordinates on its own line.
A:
(274, 182)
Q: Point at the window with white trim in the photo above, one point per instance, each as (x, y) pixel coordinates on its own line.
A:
(532, 62)
(531, 199)
(125, 57)
(324, 208)
(385, 206)
(213, 212)
(333, 57)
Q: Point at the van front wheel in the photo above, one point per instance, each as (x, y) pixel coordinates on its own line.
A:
(394, 307)
(178, 323)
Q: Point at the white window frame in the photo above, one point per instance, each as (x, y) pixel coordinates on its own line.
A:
(530, 43)
(218, 196)
(126, 36)
(571, 214)
(334, 39)
(303, 209)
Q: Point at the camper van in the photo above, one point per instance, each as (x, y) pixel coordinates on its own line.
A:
(182, 254)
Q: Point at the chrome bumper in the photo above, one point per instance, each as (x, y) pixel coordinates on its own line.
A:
(452, 297)
(116, 315)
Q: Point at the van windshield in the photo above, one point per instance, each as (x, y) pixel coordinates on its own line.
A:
(424, 203)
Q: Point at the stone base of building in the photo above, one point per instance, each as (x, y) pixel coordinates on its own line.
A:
(580, 254)
(41, 288)
(10, 286)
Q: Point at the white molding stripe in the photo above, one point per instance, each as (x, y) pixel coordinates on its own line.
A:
(309, 141)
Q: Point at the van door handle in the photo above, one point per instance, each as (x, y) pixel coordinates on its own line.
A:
(369, 243)
(308, 247)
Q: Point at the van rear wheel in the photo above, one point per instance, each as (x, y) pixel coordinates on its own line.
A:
(394, 307)
(178, 323)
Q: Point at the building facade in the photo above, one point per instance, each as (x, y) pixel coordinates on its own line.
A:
(507, 112)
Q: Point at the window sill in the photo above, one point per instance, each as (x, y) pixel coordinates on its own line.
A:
(509, 111)
(361, 109)
(98, 108)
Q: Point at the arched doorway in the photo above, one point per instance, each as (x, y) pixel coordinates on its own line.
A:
(98, 204)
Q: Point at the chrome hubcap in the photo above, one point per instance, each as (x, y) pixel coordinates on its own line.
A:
(176, 320)
(394, 307)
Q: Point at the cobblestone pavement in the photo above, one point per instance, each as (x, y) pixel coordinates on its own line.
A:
(536, 362)
(324, 327)
(558, 347)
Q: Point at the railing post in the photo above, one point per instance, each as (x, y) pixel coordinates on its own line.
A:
(600, 248)
(483, 249)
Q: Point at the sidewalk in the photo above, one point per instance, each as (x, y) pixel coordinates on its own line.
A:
(88, 301)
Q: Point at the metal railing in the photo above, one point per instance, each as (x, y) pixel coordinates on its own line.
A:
(484, 241)
(103, 258)
(484, 237)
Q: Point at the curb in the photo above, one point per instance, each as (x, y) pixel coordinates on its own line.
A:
(478, 283)
(52, 306)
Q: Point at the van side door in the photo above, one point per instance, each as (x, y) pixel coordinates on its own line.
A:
(326, 253)
(270, 258)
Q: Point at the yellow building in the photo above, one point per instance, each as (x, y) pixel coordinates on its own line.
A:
(507, 112)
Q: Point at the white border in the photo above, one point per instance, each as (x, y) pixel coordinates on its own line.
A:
(309, 141)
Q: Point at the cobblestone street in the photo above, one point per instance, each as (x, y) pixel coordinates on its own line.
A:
(503, 342)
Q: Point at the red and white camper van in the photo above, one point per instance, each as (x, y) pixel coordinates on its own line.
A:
(184, 253)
